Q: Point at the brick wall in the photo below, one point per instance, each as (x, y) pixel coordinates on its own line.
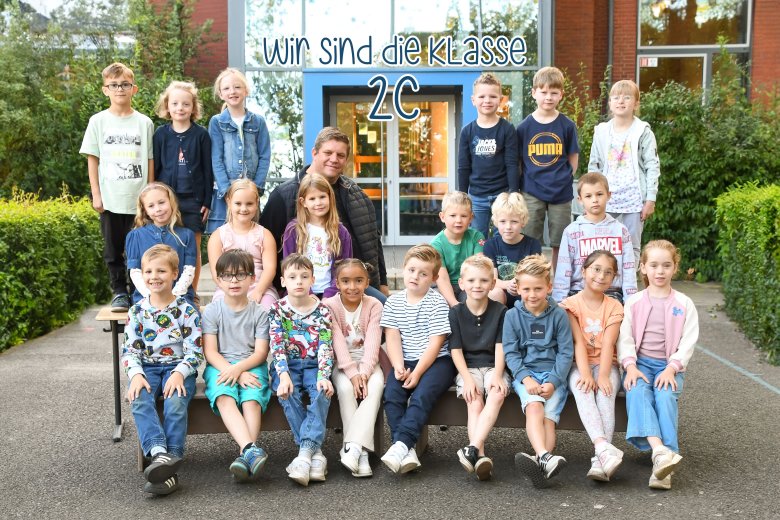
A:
(214, 57)
(624, 40)
(766, 45)
(580, 38)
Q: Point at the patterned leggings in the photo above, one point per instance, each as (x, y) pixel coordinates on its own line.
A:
(597, 411)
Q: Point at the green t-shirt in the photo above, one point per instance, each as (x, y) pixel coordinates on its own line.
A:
(123, 146)
(453, 255)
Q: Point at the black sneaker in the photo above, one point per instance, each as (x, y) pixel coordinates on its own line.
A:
(529, 466)
(163, 466)
(163, 488)
(468, 458)
(551, 464)
(120, 303)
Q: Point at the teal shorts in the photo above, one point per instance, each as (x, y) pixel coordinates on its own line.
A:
(213, 390)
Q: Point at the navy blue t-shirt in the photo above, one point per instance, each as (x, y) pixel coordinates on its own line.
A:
(545, 149)
(487, 159)
(506, 256)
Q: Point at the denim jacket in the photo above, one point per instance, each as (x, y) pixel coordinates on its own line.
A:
(231, 159)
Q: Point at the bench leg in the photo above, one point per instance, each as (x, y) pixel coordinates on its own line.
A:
(422, 441)
(141, 458)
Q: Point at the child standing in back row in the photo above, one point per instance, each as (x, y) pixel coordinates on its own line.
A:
(487, 153)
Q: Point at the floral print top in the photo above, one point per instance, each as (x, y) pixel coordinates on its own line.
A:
(297, 335)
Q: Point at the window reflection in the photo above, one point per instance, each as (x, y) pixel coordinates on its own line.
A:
(692, 22)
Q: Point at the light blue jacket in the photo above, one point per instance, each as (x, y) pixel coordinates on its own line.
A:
(233, 159)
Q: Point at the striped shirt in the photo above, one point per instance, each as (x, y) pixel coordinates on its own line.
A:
(418, 322)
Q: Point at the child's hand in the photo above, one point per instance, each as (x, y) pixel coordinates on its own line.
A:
(632, 375)
(546, 390)
(470, 391)
(666, 379)
(401, 373)
(357, 386)
(511, 287)
(97, 205)
(255, 295)
(285, 386)
(412, 379)
(324, 385)
(605, 386)
(498, 384)
(229, 376)
(647, 210)
(204, 211)
(364, 378)
(531, 386)
(249, 380)
(175, 383)
(136, 384)
(586, 383)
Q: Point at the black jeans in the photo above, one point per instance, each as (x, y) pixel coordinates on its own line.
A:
(115, 227)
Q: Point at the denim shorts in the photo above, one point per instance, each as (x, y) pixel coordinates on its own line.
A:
(552, 406)
(213, 390)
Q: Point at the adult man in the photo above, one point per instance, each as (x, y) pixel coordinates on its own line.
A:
(356, 212)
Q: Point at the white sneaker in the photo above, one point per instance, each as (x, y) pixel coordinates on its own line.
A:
(364, 468)
(318, 468)
(410, 462)
(596, 472)
(350, 458)
(551, 464)
(298, 470)
(611, 458)
(665, 483)
(394, 456)
(664, 462)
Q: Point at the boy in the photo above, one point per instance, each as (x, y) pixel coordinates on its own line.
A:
(302, 349)
(235, 336)
(509, 246)
(416, 328)
(118, 146)
(487, 152)
(456, 242)
(550, 154)
(538, 349)
(475, 346)
(594, 230)
(161, 354)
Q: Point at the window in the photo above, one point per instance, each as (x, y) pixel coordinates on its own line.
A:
(693, 22)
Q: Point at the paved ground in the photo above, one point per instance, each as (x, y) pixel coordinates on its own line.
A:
(58, 460)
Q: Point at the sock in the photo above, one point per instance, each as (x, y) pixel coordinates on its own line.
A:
(156, 450)
(542, 454)
(353, 446)
(308, 449)
(250, 445)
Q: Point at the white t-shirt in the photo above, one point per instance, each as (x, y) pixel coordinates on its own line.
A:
(623, 179)
(317, 251)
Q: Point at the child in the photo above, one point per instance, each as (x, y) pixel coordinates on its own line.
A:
(317, 234)
(161, 354)
(416, 326)
(538, 351)
(241, 231)
(550, 153)
(240, 144)
(624, 150)
(356, 339)
(118, 146)
(656, 343)
(509, 245)
(235, 336)
(182, 158)
(592, 231)
(455, 243)
(487, 153)
(301, 345)
(158, 221)
(594, 379)
(475, 346)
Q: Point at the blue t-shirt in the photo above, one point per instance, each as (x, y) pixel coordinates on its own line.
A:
(487, 159)
(506, 256)
(545, 149)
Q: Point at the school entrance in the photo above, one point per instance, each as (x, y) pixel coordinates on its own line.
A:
(405, 167)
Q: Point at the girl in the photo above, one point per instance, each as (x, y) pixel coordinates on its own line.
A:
(241, 231)
(657, 337)
(356, 340)
(624, 149)
(241, 146)
(594, 379)
(158, 221)
(182, 158)
(317, 234)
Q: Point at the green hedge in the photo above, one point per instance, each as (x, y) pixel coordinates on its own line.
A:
(51, 264)
(749, 247)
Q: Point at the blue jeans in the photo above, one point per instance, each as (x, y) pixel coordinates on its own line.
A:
(652, 412)
(482, 212)
(552, 406)
(376, 293)
(408, 410)
(173, 430)
(306, 422)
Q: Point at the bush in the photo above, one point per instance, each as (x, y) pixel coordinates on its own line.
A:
(51, 264)
(749, 248)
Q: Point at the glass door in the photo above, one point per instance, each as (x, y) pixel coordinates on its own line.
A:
(405, 167)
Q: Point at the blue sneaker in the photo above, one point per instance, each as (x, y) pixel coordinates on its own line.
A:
(240, 469)
(255, 458)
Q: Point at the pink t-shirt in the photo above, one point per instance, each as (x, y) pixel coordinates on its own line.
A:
(654, 339)
(593, 323)
(252, 243)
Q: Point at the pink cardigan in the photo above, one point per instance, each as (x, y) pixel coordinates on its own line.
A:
(369, 324)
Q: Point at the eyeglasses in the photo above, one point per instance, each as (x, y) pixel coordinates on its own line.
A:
(228, 277)
(599, 270)
(125, 85)
(621, 98)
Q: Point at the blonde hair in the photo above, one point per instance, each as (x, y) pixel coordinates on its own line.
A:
(534, 265)
(424, 253)
(161, 108)
(592, 178)
(478, 261)
(455, 198)
(315, 181)
(487, 79)
(666, 246)
(142, 218)
(551, 77)
(118, 70)
(241, 184)
(163, 251)
(230, 71)
(511, 204)
(625, 87)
